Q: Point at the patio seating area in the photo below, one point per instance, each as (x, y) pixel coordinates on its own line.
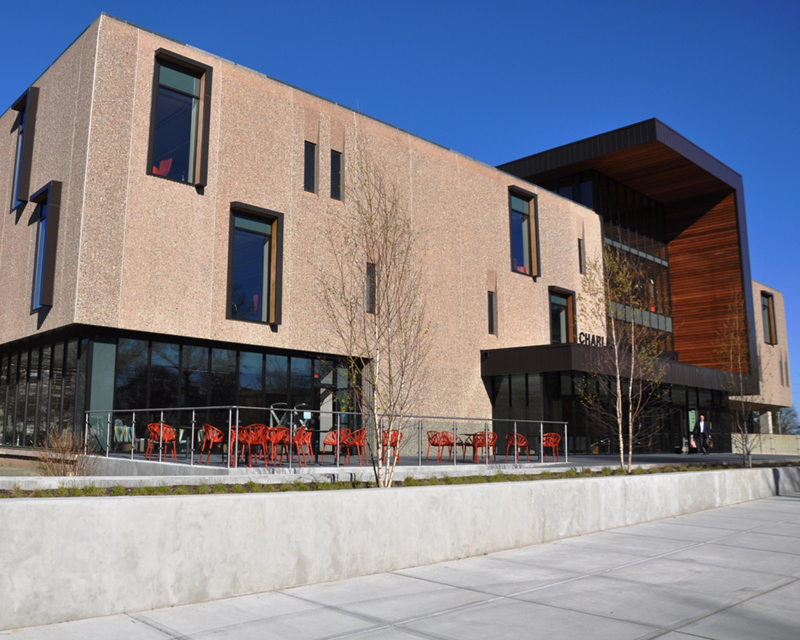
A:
(297, 437)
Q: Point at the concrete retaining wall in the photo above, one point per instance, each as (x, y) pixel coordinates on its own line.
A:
(70, 558)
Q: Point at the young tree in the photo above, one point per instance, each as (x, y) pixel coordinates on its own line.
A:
(624, 397)
(374, 300)
(733, 350)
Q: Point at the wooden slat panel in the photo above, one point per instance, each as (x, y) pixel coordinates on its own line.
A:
(706, 275)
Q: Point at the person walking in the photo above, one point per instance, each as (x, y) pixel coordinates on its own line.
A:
(701, 435)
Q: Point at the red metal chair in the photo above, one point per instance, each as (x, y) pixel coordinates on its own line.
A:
(212, 436)
(447, 440)
(335, 440)
(517, 441)
(357, 439)
(481, 441)
(391, 440)
(299, 442)
(433, 441)
(279, 439)
(162, 435)
(551, 441)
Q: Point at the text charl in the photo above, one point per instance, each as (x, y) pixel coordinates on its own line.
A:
(591, 340)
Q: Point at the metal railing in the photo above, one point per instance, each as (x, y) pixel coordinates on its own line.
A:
(124, 433)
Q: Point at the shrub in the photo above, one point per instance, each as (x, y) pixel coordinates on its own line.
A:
(62, 455)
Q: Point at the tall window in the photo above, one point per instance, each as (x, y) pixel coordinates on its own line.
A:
(524, 250)
(38, 267)
(372, 287)
(23, 149)
(492, 309)
(181, 108)
(48, 200)
(562, 322)
(768, 318)
(255, 265)
(336, 175)
(310, 168)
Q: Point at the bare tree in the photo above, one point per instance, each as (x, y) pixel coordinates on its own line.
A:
(374, 300)
(733, 351)
(787, 421)
(64, 454)
(623, 398)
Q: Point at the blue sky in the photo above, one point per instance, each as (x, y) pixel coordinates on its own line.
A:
(503, 79)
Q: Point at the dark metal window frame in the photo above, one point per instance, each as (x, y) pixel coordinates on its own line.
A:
(49, 196)
(337, 174)
(533, 230)
(310, 167)
(200, 178)
(768, 310)
(275, 219)
(571, 313)
(27, 105)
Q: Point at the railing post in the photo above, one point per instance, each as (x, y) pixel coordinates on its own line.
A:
(160, 435)
(191, 442)
(338, 434)
(86, 435)
(454, 450)
(516, 444)
(230, 433)
(108, 432)
(133, 434)
(486, 435)
(419, 442)
(566, 442)
(238, 443)
(291, 438)
(541, 442)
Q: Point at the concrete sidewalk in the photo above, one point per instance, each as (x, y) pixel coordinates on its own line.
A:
(727, 573)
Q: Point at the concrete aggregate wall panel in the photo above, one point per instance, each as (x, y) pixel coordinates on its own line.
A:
(59, 153)
(70, 558)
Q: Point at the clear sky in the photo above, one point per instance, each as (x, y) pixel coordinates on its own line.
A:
(498, 80)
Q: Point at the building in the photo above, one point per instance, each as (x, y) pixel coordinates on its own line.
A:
(164, 248)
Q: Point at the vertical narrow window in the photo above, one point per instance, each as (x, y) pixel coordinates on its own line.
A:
(255, 264)
(310, 168)
(38, 267)
(768, 318)
(24, 127)
(180, 120)
(372, 287)
(562, 317)
(581, 257)
(524, 238)
(48, 201)
(336, 175)
(492, 310)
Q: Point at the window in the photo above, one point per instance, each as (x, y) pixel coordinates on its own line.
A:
(23, 149)
(255, 264)
(492, 309)
(581, 257)
(180, 119)
(336, 175)
(372, 287)
(310, 172)
(768, 318)
(48, 201)
(562, 317)
(524, 236)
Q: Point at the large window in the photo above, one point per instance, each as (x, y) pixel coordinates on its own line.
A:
(562, 317)
(23, 149)
(524, 250)
(181, 109)
(768, 318)
(255, 264)
(48, 200)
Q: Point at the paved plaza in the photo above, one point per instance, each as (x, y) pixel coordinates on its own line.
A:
(725, 574)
